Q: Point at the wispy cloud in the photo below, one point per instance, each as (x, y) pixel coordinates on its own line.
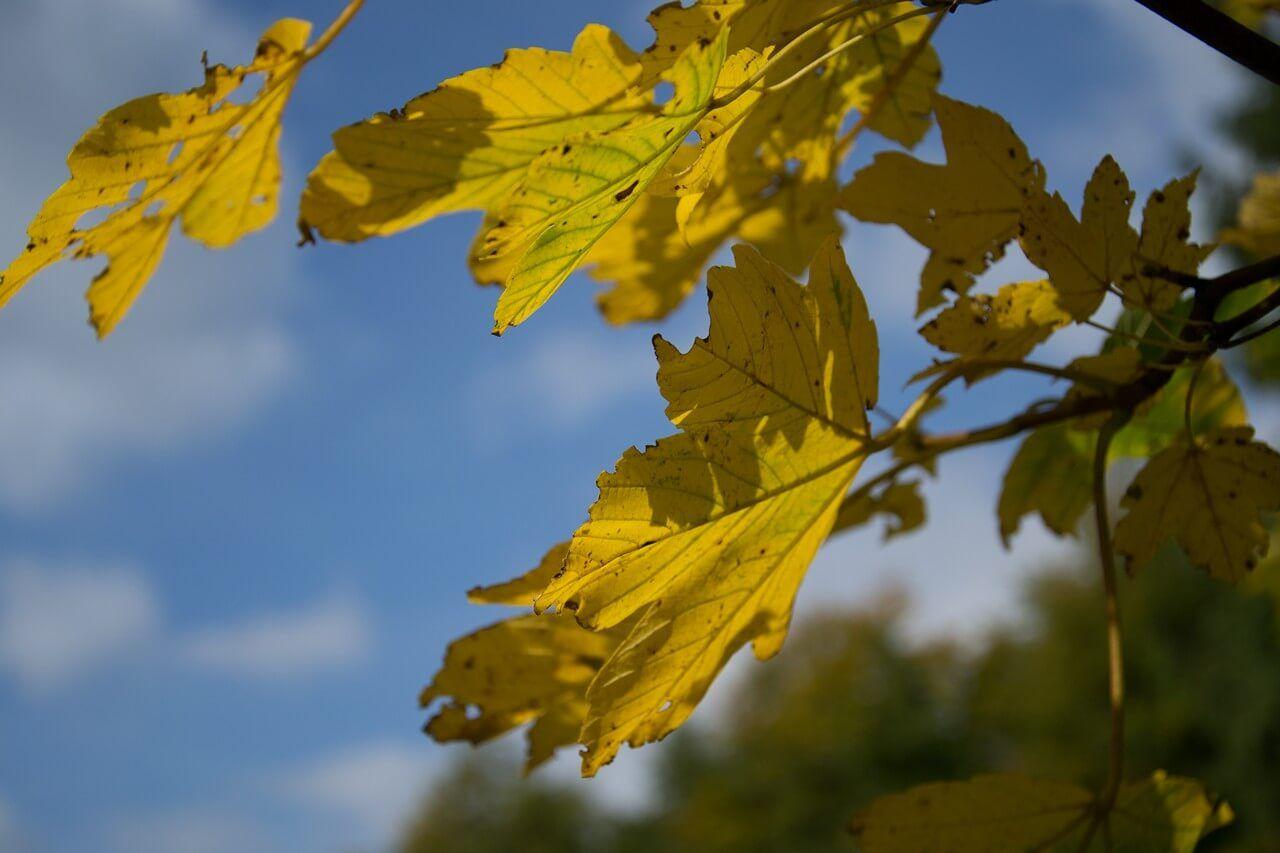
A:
(203, 350)
(332, 632)
(59, 621)
(373, 786)
(187, 831)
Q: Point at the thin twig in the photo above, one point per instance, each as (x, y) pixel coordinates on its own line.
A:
(339, 24)
(1222, 33)
(1115, 647)
(1256, 333)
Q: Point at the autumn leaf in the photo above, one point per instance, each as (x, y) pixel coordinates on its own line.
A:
(1208, 496)
(1165, 244)
(1014, 812)
(525, 670)
(966, 211)
(1008, 325)
(1051, 475)
(521, 591)
(574, 193)
(1257, 228)
(706, 534)
(468, 143)
(196, 157)
(900, 504)
(1083, 258)
(1162, 419)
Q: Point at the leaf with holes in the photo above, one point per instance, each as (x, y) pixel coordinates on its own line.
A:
(1208, 496)
(196, 157)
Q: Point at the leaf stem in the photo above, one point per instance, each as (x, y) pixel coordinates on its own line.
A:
(335, 29)
(1115, 647)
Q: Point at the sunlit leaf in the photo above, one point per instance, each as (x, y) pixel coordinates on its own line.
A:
(197, 158)
(707, 534)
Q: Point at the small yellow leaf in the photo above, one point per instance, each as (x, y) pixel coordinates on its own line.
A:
(529, 669)
(1208, 497)
(706, 535)
(1083, 258)
(1008, 325)
(1007, 811)
(965, 211)
(1258, 219)
(1165, 242)
(574, 193)
(468, 143)
(196, 157)
(900, 501)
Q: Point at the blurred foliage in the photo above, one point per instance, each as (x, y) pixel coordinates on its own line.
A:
(852, 710)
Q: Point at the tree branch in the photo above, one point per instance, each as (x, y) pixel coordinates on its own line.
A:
(1222, 33)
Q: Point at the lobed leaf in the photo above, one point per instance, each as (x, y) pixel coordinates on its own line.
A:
(705, 536)
(1208, 496)
(1013, 812)
(965, 211)
(197, 158)
(900, 503)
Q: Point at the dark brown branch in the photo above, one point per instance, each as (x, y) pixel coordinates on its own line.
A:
(1223, 33)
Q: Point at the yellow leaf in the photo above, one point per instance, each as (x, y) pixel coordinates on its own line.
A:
(1012, 812)
(529, 669)
(901, 501)
(1083, 258)
(909, 105)
(793, 222)
(574, 193)
(706, 535)
(468, 143)
(1208, 497)
(965, 211)
(196, 156)
(521, 591)
(1008, 325)
(1052, 475)
(1166, 229)
(1258, 219)
(1161, 419)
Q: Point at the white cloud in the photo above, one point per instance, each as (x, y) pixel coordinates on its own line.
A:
(330, 632)
(187, 831)
(59, 621)
(375, 786)
(202, 351)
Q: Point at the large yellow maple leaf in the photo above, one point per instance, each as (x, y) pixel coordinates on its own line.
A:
(706, 535)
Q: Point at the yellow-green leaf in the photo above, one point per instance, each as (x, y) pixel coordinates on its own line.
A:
(196, 157)
(1162, 419)
(1083, 258)
(1208, 496)
(965, 211)
(1052, 475)
(1008, 325)
(986, 814)
(574, 193)
(900, 502)
(707, 534)
(469, 142)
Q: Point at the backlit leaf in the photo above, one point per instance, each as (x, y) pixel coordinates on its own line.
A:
(197, 158)
(574, 193)
(965, 211)
(1257, 226)
(900, 502)
(1164, 242)
(469, 142)
(707, 534)
(1008, 325)
(1208, 496)
(1052, 475)
(1083, 258)
(1162, 814)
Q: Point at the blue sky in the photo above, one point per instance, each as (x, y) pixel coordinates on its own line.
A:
(234, 539)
